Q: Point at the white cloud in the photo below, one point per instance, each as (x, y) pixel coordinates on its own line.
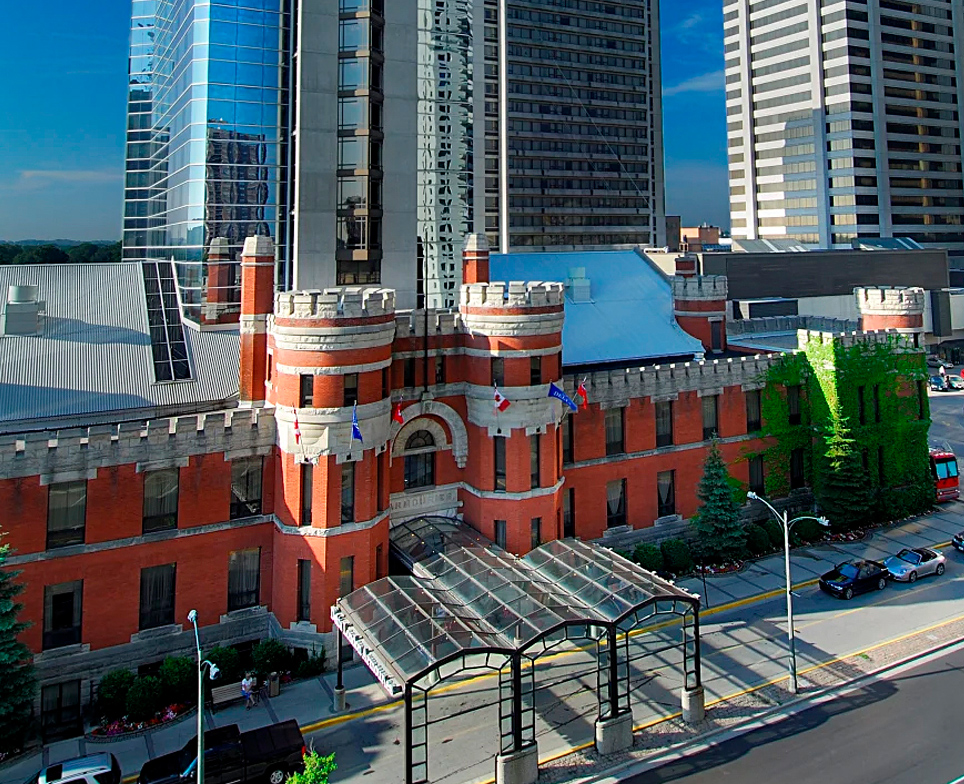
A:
(711, 82)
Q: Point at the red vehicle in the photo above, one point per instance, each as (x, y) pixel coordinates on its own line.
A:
(944, 471)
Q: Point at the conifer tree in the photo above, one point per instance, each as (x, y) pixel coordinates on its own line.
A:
(844, 494)
(18, 681)
(718, 521)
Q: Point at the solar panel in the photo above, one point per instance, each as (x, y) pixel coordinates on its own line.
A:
(168, 346)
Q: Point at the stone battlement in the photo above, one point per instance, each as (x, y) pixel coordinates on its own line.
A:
(335, 303)
(889, 300)
(516, 294)
(901, 342)
(54, 452)
(700, 287)
(411, 323)
(772, 324)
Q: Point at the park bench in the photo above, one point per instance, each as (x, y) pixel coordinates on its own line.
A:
(229, 692)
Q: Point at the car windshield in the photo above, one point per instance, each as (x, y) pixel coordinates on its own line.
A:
(910, 556)
(847, 570)
(188, 756)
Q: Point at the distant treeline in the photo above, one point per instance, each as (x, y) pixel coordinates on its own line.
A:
(85, 252)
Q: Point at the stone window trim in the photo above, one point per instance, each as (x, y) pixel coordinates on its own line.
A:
(710, 392)
(57, 477)
(157, 465)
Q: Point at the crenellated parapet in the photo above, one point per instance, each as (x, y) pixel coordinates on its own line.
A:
(513, 310)
(516, 294)
(414, 323)
(899, 341)
(769, 325)
(336, 303)
(699, 288)
(63, 453)
(889, 300)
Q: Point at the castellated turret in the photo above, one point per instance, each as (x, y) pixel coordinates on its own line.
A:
(892, 307)
(699, 304)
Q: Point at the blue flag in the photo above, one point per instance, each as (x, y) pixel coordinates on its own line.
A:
(557, 393)
(355, 431)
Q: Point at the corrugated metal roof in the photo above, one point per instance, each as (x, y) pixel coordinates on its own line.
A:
(629, 316)
(94, 354)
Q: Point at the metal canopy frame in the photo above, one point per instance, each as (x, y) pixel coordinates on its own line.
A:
(470, 605)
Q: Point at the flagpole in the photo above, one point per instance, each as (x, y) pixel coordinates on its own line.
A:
(503, 128)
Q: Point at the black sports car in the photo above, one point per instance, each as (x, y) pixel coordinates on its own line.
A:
(853, 577)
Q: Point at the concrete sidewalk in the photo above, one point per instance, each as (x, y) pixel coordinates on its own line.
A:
(310, 702)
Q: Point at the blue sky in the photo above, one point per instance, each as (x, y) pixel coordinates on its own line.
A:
(64, 72)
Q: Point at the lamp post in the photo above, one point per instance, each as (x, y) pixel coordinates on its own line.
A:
(787, 525)
(213, 673)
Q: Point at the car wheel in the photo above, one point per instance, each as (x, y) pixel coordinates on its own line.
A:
(912, 577)
(939, 570)
(848, 594)
(881, 583)
(277, 776)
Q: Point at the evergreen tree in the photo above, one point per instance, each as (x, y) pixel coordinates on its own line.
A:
(19, 683)
(844, 493)
(718, 521)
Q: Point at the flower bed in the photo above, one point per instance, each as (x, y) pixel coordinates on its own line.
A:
(727, 568)
(122, 727)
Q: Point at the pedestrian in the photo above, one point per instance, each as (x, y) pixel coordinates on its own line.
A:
(247, 690)
(942, 372)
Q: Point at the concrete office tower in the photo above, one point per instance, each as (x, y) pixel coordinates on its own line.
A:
(843, 120)
(585, 124)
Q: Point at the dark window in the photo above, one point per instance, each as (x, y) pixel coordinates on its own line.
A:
(535, 533)
(666, 493)
(160, 500)
(346, 576)
(419, 460)
(797, 477)
(535, 371)
(386, 382)
(380, 482)
(348, 492)
(379, 562)
(710, 426)
(568, 450)
(304, 590)
(861, 406)
(60, 711)
(921, 400)
(615, 503)
(408, 367)
(244, 579)
(664, 423)
(876, 402)
(534, 458)
(500, 534)
(62, 614)
(498, 445)
(66, 513)
(307, 480)
(881, 467)
(439, 369)
(351, 389)
(756, 474)
(307, 393)
(569, 513)
(498, 371)
(157, 596)
(246, 486)
(793, 404)
(716, 335)
(754, 420)
(614, 431)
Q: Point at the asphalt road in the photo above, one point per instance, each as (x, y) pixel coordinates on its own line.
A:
(904, 730)
(947, 415)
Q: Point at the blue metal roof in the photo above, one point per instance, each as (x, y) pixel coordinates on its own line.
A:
(629, 315)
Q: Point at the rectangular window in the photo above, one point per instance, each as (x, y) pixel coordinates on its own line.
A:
(307, 480)
(797, 477)
(60, 710)
(664, 423)
(439, 369)
(386, 382)
(921, 400)
(498, 371)
(244, 579)
(710, 423)
(379, 483)
(304, 590)
(861, 406)
(754, 418)
(615, 503)
(756, 474)
(665, 493)
(534, 460)
(535, 371)
(246, 473)
(306, 395)
(157, 596)
(379, 563)
(351, 389)
(535, 533)
(348, 492)
(62, 614)
(500, 534)
(568, 451)
(409, 371)
(716, 335)
(614, 431)
(498, 445)
(881, 467)
(569, 513)
(66, 513)
(160, 500)
(346, 576)
(793, 404)
(876, 402)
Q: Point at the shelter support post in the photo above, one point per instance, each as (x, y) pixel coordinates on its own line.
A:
(338, 700)
(693, 697)
(519, 764)
(614, 726)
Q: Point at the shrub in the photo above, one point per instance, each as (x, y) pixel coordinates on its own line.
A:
(178, 676)
(228, 661)
(269, 656)
(112, 693)
(807, 531)
(757, 540)
(144, 699)
(774, 532)
(313, 666)
(316, 771)
(676, 556)
(648, 556)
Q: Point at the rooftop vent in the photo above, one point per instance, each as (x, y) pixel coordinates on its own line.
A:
(21, 312)
(578, 285)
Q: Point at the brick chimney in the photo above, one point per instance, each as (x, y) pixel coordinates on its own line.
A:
(257, 302)
(475, 259)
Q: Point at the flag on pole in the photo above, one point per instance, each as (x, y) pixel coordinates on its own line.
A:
(501, 404)
(297, 429)
(558, 394)
(581, 392)
(397, 416)
(355, 431)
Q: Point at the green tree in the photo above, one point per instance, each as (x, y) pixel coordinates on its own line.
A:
(19, 680)
(8, 252)
(317, 769)
(718, 521)
(844, 493)
(41, 254)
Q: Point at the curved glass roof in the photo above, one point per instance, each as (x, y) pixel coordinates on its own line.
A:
(470, 596)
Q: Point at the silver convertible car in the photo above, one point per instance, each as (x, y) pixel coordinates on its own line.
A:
(914, 562)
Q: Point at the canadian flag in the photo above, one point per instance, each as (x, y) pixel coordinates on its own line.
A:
(297, 429)
(501, 404)
(397, 416)
(581, 392)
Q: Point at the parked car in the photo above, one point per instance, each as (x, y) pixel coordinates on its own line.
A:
(267, 754)
(937, 384)
(913, 562)
(93, 769)
(852, 577)
(956, 382)
(935, 361)
(958, 541)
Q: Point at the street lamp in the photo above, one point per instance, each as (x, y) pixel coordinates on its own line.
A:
(787, 525)
(213, 673)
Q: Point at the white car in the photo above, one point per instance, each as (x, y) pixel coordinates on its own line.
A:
(913, 562)
(93, 769)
